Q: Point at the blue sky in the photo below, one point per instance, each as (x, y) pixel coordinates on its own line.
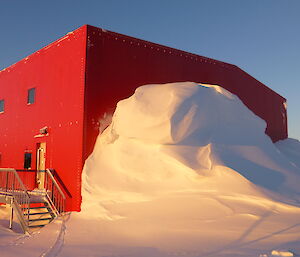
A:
(260, 36)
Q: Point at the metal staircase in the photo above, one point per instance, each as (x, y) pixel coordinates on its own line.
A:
(39, 214)
(36, 208)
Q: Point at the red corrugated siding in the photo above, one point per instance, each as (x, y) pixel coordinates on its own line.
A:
(57, 72)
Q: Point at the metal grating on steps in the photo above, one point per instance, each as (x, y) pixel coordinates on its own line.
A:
(35, 208)
(38, 215)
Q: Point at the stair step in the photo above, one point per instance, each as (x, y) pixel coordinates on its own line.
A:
(34, 208)
(37, 207)
(37, 213)
(36, 226)
(40, 219)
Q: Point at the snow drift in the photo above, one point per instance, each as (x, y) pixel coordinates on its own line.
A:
(186, 170)
(172, 137)
(181, 162)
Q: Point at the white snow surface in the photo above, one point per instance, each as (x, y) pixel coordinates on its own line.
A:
(184, 169)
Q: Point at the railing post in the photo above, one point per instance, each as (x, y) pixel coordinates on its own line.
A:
(6, 181)
(13, 184)
(52, 191)
(11, 218)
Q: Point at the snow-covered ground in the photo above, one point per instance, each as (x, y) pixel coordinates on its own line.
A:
(183, 170)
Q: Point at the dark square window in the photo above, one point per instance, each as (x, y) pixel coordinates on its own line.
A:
(31, 96)
(2, 105)
(27, 161)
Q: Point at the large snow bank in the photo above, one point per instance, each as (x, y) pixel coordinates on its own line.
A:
(185, 114)
(181, 163)
(183, 170)
(174, 137)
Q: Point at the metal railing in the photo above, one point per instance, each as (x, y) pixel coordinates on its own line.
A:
(16, 193)
(28, 178)
(54, 194)
(12, 186)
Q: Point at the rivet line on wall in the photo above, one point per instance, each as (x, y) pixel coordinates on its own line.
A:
(150, 45)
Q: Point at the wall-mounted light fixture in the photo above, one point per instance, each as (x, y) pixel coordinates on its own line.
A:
(44, 131)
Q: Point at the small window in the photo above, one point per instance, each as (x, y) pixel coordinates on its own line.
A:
(1, 105)
(31, 96)
(27, 161)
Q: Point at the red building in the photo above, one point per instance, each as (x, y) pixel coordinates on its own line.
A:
(52, 102)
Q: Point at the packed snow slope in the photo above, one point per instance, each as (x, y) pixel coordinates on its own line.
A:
(186, 167)
(184, 170)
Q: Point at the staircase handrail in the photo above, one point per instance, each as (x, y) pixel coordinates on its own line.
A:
(56, 184)
(61, 183)
(55, 195)
(16, 175)
(20, 197)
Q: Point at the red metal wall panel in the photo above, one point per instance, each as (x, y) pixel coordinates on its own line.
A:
(58, 73)
(118, 64)
(81, 77)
